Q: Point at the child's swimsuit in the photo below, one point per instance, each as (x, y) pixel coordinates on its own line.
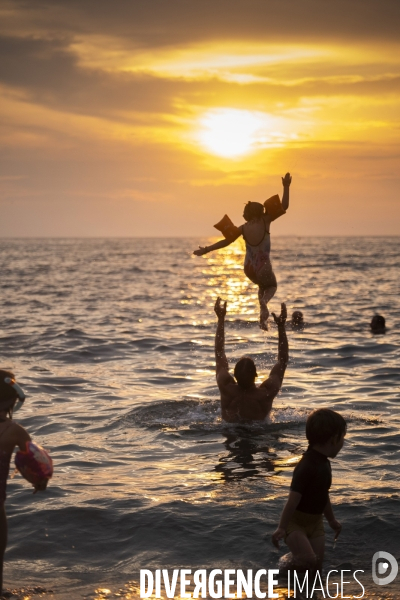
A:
(257, 256)
(312, 478)
(5, 458)
(311, 525)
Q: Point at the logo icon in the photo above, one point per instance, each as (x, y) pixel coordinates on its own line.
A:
(383, 568)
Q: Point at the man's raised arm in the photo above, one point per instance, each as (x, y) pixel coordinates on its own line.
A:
(286, 181)
(221, 361)
(275, 378)
(283, 346)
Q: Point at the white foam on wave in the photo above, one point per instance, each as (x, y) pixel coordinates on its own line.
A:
(288, 414)
(176, 414)
(192, 413)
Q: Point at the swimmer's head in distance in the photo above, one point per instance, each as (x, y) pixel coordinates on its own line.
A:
(297, 317)
(378, 324)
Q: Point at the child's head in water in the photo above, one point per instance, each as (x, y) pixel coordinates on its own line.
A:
(245, 372)
(253, 210)
(378, 324)
(325, 431)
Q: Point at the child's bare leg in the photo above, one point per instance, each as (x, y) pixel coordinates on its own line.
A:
(267, 288)
(318, 545)
(303, 551)
(3, 541)
(264, 296)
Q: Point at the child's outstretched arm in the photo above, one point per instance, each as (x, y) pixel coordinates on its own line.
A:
(286, 181)
(221, 244)
(330, 517)
(287, 513)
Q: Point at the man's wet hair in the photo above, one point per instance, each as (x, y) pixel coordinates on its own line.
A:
(253, 210)
(8, 394)
(245, 372)
(323, 424)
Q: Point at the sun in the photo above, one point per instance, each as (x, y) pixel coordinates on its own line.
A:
(231, 132)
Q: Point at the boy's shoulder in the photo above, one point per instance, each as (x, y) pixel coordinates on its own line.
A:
(314, 455)
(15, 426)
(9, 427)
(313, 469)
(312, 460)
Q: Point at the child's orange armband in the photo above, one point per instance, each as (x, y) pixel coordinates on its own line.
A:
(273, 207)
(227, 228)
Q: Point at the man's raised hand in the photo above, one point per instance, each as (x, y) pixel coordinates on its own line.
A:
(281, 320)
(220, 309)
(287, 180)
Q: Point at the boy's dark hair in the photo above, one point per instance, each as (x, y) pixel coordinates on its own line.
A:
(245, 372)
(323, 424)
(7, 393)
(253, 210)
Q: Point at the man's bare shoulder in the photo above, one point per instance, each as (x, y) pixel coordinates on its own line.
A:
(265, 395)
(225, 381)
(271, 386)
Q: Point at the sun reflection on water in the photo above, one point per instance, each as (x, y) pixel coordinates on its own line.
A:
(225, 278)
(131, 591)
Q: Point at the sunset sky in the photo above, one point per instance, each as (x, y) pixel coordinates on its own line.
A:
(156, 117)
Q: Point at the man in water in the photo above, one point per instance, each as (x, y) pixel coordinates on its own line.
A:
(242, 400)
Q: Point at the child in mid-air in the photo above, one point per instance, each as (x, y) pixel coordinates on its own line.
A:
(301, 522)
(11, 435)
(257, 264)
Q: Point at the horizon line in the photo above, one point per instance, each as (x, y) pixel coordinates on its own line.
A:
(182, 237)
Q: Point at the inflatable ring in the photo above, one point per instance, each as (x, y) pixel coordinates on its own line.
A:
(34, 463)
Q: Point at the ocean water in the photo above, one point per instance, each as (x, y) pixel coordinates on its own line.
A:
(112, 339)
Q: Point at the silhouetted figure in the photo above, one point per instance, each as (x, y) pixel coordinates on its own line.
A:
(256, 234)
(241, 400)
(301, 522)
(378, 324)
(11, 435)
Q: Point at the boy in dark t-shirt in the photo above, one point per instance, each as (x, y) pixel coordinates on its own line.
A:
(301, 522)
